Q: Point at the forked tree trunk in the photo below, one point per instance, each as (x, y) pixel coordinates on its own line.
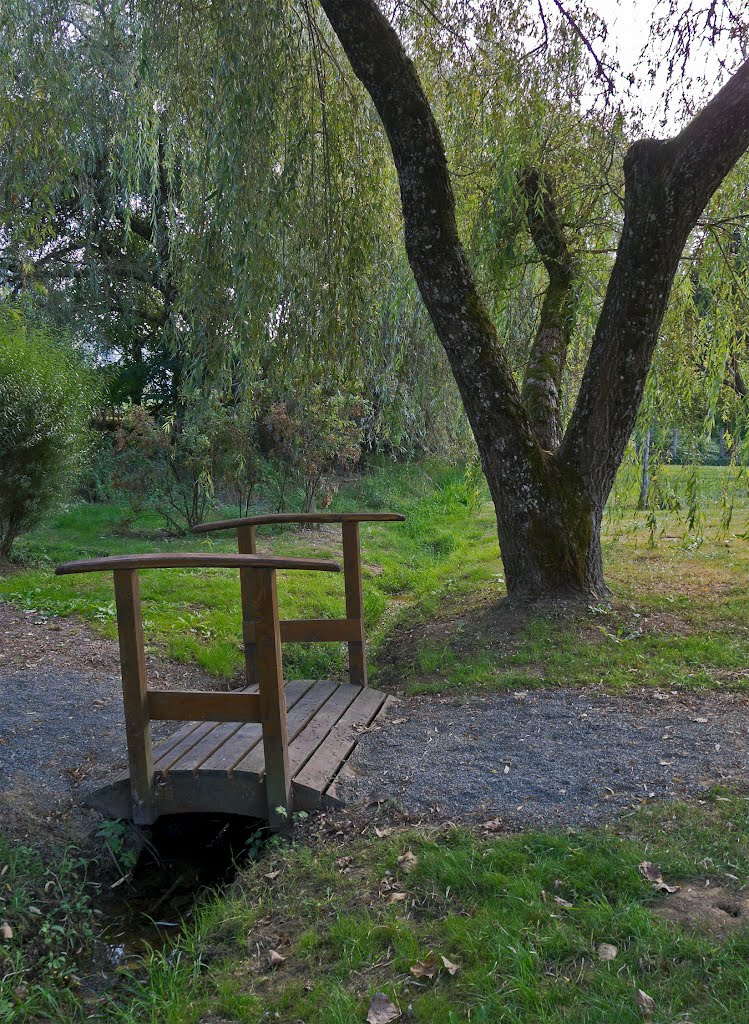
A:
(549, 491)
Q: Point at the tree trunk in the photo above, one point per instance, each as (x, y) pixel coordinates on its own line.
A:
(549, 503)
(551, 544)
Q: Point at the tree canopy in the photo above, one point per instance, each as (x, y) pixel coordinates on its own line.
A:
(206, 194)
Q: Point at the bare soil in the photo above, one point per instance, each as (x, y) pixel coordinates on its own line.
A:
(706, 908)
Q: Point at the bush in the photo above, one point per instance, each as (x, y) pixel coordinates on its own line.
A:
(240, 465)
(46, 396)
(317, 433)
(166, 467)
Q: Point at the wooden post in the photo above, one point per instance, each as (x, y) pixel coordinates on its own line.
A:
(357, 650)
(272, 696)
(247, 545)
(134, 696)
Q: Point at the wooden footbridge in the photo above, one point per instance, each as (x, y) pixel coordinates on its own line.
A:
(266, 749)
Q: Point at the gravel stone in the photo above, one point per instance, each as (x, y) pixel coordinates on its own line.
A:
(550, 757)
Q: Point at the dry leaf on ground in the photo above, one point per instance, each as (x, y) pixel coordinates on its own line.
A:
(645, 1004)
(382, 1010)
(426, 968)
(275, 958)
(563, 903)
(407, 862)
(451, 968)
(653, 874)
(6, 932)
(606, 951)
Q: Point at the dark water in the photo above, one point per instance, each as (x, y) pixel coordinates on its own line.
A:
(183, 857)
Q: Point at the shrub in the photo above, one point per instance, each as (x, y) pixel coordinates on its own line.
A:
(166, 467)
(46, 396)
(317, 433)
(240, 462)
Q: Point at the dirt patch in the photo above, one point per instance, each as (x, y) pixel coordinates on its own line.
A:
(666, 623)
(706, 908)
(31, 640)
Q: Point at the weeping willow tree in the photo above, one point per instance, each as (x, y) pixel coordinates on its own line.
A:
(263, 160)
(212, 207)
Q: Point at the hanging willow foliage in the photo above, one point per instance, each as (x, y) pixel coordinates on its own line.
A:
(237, 162)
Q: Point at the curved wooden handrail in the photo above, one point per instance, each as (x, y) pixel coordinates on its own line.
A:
(301, 518)
(196, 560)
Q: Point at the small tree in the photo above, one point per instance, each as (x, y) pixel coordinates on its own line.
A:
(167, 467)
(317, 432)
(45, 403)
(240, 456)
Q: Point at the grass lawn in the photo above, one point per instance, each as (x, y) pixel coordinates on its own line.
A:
(679, 618)
(521, 917)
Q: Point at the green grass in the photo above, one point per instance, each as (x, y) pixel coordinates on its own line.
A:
(195, 615)
(49, 910)
(679, 619)
(490, 905)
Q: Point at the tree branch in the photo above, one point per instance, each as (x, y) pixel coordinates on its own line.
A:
(435, 252)
(543, 372)
(667, 186)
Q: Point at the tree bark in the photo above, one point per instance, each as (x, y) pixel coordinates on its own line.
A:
(542, 383)
(549, 503)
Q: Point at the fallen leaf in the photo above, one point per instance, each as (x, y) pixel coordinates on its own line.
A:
(398, 721)
(426, 968)
(6, 932)
(396, 897)
(275, 958)
(34, 910)
(344, 862)
(653, 874)
(382, 1010)
(272, 875)
(492, 826)
(407, 862)
(645, 1004)
(700, 721)
(451, 968)
(381, 833)
(606, 951)
(563, 903)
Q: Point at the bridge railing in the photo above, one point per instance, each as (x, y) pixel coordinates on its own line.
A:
(350, 629)
(141, 705)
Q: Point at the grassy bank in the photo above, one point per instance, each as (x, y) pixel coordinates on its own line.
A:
(679, 574)
(520, 917)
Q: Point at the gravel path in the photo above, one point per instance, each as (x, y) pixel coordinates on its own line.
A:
(542, 757)
(551, 757)
(62, 728)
